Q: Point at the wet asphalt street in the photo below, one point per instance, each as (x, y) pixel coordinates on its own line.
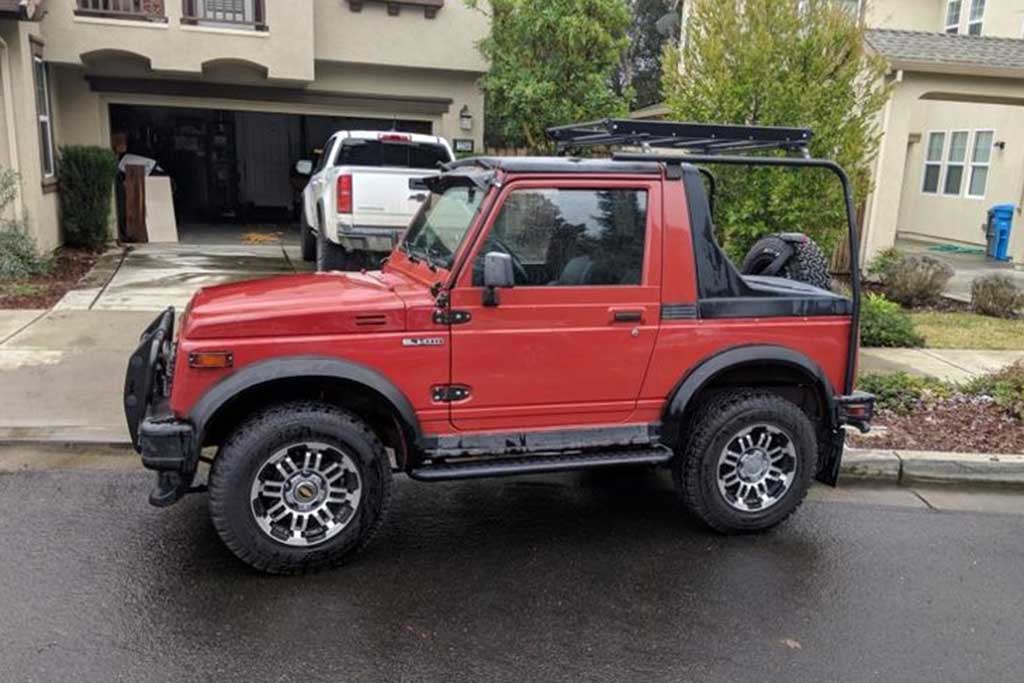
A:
(596, 577)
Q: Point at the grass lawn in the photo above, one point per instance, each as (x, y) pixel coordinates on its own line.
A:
(956, 330)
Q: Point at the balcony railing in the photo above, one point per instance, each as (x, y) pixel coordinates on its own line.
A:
(138, 10)
(245, 14)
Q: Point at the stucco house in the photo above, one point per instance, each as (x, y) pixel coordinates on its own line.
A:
(953, 142)
(953, 130)
(226, 94)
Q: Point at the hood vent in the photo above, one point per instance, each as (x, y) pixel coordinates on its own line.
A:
(371, 319)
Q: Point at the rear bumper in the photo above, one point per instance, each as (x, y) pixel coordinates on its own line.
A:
(368, 238)
(165, 444)
(856, 410)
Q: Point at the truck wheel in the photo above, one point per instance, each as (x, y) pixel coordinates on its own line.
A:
(330, 256)
(805, 263)
(308, 238)
(299, 487)
(749, 461)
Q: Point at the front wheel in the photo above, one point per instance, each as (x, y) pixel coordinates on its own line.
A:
(308, 238)
(749, 461)
(299, 487)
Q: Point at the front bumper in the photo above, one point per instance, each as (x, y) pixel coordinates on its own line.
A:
(166, 445)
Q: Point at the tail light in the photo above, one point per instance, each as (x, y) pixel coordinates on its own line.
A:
(394, 137)
(344, 194)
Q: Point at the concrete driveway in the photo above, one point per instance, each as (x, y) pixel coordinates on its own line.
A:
(151, 277)
(966, 267)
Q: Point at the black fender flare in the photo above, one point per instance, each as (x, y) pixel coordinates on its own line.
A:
(709, 368)
(301, 366)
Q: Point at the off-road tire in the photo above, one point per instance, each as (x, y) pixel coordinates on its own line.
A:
(308, 239)
(330, 256)
(695, 468)
(239, 461)
(807, 263)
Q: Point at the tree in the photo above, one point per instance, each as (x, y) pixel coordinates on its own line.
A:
(654, 23)
(781, 63)
(552, 62)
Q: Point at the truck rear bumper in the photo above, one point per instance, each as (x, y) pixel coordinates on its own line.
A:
(369, 238)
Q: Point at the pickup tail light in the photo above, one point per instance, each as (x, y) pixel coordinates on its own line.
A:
(394, 137)
(344, 194)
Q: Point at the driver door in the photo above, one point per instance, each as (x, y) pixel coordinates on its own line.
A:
(571, 342)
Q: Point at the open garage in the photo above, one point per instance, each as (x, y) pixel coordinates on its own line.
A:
(231, 171)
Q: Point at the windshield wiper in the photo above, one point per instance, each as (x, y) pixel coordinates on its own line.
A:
(407, 250)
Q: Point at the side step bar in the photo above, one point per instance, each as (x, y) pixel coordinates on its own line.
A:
(501, 467)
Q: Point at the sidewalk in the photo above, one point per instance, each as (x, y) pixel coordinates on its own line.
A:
(951, 365)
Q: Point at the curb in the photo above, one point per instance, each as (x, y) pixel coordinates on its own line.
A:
(895, 468)
(907, 468)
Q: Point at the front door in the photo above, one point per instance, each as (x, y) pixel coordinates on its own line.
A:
(570, 343)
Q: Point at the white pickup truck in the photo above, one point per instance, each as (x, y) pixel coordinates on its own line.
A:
(364, 189)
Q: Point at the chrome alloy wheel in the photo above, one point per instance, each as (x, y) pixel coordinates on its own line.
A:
(305, 494)
(756, 468)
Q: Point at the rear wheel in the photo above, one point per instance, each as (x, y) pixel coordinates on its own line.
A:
(308, 238)
(330, 256)
(299, 487)
(749, 461)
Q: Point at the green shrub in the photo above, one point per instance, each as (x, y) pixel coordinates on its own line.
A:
(996, 295)
(916, 280)
(1006, 387)
(884, 263)
(884, 323)
(86, 189)
(902, 393)
(19, 257)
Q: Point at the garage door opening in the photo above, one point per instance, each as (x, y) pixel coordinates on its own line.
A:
(232, 172)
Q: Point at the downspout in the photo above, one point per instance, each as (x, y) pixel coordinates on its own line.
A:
(9, 122)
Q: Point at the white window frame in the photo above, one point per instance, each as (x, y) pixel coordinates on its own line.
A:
(953, 28)
(941, 163)
(971, 164)
(947, 162)
(44, 118)
(980, 21)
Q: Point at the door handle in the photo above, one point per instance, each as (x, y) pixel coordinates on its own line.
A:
(621, 316)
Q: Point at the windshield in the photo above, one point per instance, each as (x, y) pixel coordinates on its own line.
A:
(357, 152)
(441, 224)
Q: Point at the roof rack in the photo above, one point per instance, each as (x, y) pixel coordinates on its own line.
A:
(699, 138)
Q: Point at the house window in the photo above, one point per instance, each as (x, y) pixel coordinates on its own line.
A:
(955, 162)
(976, 17)
(953, 16)
(933, 163)
(43, 114)
(981, 157)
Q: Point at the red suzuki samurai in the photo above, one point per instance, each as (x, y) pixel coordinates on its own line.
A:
(539, 315)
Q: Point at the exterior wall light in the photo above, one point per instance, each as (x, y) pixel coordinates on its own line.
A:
(465, 119)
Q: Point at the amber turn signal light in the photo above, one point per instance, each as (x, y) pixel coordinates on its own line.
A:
(211, 359)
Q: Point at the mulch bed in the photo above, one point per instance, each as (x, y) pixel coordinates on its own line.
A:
(961, 425)
(43, 291)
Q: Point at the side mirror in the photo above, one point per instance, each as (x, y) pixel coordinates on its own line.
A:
(498, 272)
(304, 167)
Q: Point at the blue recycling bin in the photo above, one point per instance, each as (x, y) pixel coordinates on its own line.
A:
(997, 231)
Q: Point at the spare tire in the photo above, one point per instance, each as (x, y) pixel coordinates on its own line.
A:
(792, 256)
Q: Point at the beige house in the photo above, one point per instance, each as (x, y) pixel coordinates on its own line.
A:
(953, 131)
(227, 95)
(953, 141)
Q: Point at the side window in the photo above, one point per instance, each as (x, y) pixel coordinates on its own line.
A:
(570, 238)
(322, 157)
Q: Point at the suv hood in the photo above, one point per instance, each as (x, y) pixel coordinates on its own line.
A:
(296, 305)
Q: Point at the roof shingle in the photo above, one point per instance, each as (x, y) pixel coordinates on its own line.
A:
(942, 48)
